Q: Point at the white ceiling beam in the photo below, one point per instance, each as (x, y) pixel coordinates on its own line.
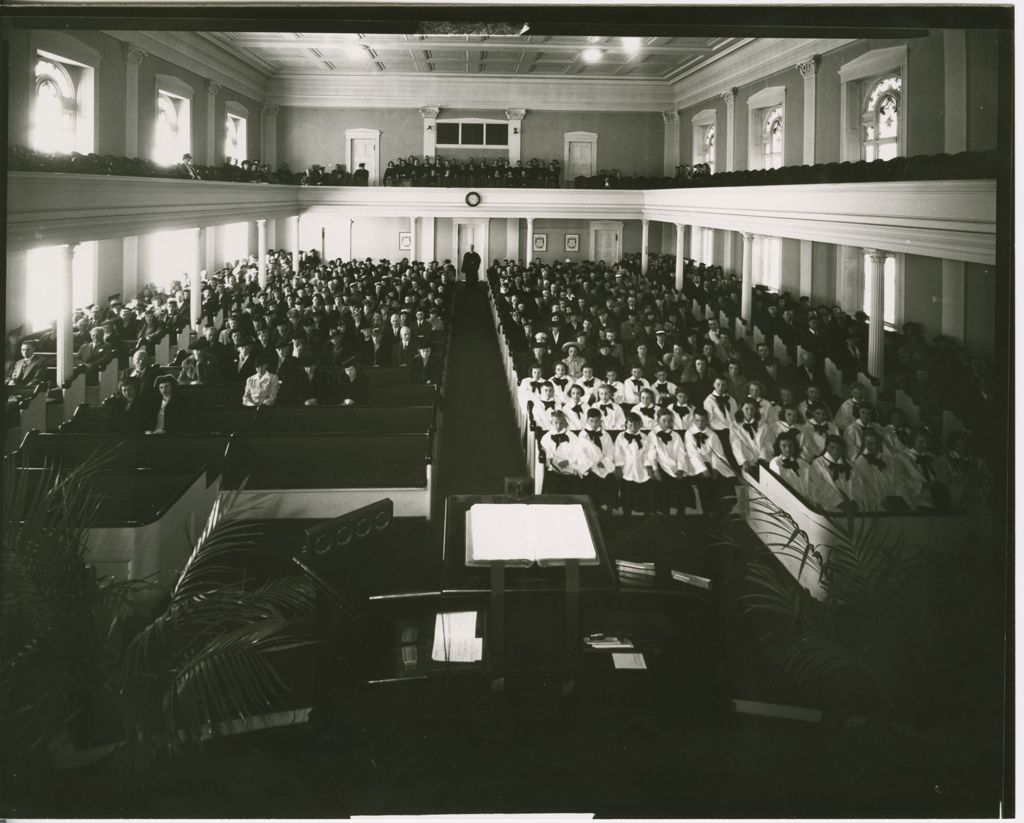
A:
(326, 42)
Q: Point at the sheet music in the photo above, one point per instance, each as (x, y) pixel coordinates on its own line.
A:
(561, 533)
(518, 532)
(628, 660)
(455, 639)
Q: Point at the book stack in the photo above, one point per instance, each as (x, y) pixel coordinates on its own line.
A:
(606, 643)
(632, 573)
(691, 579)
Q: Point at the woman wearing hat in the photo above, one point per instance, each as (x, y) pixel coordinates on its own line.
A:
(167, 412)
(573, 361)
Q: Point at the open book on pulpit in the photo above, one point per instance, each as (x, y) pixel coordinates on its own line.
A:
(521, 534)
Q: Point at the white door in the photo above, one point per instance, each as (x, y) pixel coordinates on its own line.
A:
(581, 160)
(364, 150)
(467, 234)
(607, 246)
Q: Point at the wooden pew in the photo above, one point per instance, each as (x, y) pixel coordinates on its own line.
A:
(74, 396)
(834, 377)
(780, 351)
(324, 475)
(951, 423)
(411, 395)
(870, 391)
(162, 351)
(908, 406)
(108, 381)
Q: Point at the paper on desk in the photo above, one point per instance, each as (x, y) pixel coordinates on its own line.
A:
(628, 660)
(455, 639)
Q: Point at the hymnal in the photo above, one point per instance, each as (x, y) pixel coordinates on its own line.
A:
(521, 534)
(455, 639)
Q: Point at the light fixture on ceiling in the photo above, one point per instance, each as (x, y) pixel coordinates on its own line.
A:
(631, 45)
(592, 55)
(354, 51)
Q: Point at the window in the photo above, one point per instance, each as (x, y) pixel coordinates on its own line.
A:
(61, 118)
(892, 297)
(169, 255)
(766, 122)
(172, 137)
(45, 266)
(234, 138)
(704, 123)
(472, 134)
(880, 118)
(766, 258)
(771, 139)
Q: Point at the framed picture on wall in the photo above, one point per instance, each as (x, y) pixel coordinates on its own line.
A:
(540, 242)
(405, 241)
(572, 242)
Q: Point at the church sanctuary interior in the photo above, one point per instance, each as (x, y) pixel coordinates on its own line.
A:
(428, 411)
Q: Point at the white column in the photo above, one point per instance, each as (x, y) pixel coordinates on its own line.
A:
(512, 239)
(954, 45)
(130, 273)
(212, 89)
(429, 115)
(645, 235)
(133, 56)
(412, 232)
(697, 245)
(747, 284)
(529, 240)
(515, 134)
(727, 251)
(195, 280)
(211, 249)
(295, 244)
(954, 292)
(261, 251)
(680, 236)
(876, 312)
(346, 226)
(809, 71)
(269, 153)
(428, 248)
(730, 129)
(65, 344)
(806, 269)
(671, 119)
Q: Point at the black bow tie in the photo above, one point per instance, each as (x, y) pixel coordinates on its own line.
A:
(559, 438)
(751, 428)
(606, 406)
(594, 436)
(877, 462)
(536, 384)
(578, 409)
(837, 469)
(821, 428)
(560, 381)
(790, 464)
(548, 404)
(665, 437)
(700, 439)
(723, 401)
(683, 409)
(635, 382)
(645, 411)
(662, 386)
(588, 383)
(633, 438)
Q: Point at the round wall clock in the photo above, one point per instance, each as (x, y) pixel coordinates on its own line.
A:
(472, 199)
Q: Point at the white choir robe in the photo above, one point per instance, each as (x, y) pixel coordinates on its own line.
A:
(781, 427)
(561, 385)
(682, 417)
(854, 437)
(747, 448)
(542, 414)
(634, 459)
(769, 413)
(589, 388)
(812, 442)
(555, 453)
(709, 454)
(891, 439)
(797, 479)
(575, 415)
(597, 459)
(717, 418)
(528, 392)
(664, 387)
(648, 414)
(829, 493)
(871, 485)
(612, 416)
(914, 484)
(672, 457)
(631, 389)
(845, 414)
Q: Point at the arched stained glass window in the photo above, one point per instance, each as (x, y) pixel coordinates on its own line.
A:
(880, 118)
(54, 109)
(772, 138)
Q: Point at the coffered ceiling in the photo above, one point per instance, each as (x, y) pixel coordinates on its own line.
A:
(534, 56)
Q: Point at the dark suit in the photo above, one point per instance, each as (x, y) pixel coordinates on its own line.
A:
(28, 371)
(403, 356)
(426, 372)
(471, 267)
(124, 419)
(176, 415)
(358, 390)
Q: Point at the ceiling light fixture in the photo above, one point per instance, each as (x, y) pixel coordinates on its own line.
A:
(592, 55)
(631, 45)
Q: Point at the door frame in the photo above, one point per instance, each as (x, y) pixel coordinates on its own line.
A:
(606, 225)
(579, 137)
(363, 134)
(482, 247)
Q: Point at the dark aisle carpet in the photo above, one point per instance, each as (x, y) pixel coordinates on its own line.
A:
(479, 440)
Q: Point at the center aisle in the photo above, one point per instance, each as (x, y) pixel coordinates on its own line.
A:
(480, 440)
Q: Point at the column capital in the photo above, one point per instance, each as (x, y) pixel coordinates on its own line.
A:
(748, 237)
(270, 111)
(729, 97)
(261, 222)
(212, 88)
(133, 55)
(670, 116)
(809, 67)
(877, 255)
(645, 222)
(515, 114)
(69, 249)
(430, 112)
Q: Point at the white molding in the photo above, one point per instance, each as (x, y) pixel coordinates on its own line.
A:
(193, 52)
(236, 109)
(579, 137)
(752, 62)
(174, 85)
(766, 98)
(64, 46)
(606, 225)
(363, 134)
(870, 64)
(409, 90)
(705, 117)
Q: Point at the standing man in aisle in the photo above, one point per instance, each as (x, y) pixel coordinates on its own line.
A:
(471, 266)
